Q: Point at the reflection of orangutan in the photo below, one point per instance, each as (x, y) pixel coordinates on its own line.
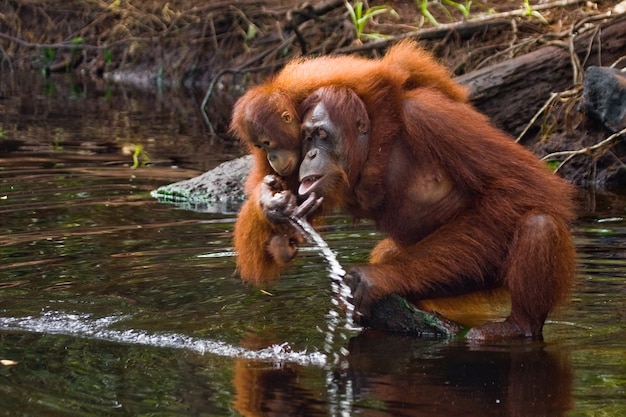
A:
(465, 208)
(267, 122)
(389, 375)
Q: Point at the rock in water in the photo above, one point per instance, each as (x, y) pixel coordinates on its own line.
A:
(219, 190)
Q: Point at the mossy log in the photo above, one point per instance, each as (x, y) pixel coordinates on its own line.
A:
(395, 314)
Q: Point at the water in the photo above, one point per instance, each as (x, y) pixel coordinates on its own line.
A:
(342, 309)
(114, 304)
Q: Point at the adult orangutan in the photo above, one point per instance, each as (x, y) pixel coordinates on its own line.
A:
(465, 208)
(267, 122)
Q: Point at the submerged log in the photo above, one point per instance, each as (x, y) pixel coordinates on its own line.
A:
(396, 315)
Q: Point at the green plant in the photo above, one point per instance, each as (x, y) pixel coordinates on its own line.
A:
(58, 138)
(139, 155)
(553, 165)
(251, 32)
(360, 16)
(464, 8)
(529, 12)
(76, 41)
(108, 57)
(49, 55)
(423, 6)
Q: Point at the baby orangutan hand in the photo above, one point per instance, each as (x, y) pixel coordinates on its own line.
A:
(281, 208)
(280, 205)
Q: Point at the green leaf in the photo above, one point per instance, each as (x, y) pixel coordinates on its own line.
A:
(252, 31)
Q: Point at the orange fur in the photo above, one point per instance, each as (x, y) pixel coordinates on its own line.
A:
(250, 239)
(465, 207)
(473, 309)
(259, 113)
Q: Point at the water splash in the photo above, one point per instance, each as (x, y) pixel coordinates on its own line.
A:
(89, 327)
(341, 300)
(99, 328)
(338, 385)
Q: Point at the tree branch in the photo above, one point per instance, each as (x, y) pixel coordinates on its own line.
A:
(586, 150)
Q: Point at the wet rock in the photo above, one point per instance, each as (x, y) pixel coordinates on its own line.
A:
(604, 96)
(220, 190)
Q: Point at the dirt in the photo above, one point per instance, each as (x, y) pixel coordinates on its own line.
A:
(179, 42)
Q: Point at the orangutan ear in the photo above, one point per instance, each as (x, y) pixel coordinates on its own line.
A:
(286, 117)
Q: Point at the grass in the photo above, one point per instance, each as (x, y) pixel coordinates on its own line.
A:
(360, 17)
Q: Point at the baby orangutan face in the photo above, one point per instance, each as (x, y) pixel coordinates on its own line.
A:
(271, 124)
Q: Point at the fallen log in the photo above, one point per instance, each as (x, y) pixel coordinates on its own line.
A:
(511, 92)
(395, 314)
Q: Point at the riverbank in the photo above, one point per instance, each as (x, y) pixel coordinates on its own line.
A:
(158, 42)
(221, 47)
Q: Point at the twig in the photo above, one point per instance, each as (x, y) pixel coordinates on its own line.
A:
(577, 70)
(27, 44)
(589, 149)
(7, 58)
(295, 18)
(613, 65)
(548, 103)
(208, 94)
(78, 46)
(532, 121)
(484, 22)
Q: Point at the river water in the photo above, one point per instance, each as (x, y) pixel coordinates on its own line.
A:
(113, 304)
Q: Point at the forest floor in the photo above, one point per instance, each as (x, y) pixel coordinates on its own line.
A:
(178, 41)
(225, 45)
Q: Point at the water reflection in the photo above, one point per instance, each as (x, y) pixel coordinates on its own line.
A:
(86, 120)
(114, 304)
(398, 376)
(488, 381)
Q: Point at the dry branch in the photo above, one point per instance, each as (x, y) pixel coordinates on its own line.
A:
(553, 97)
(511, 92)
(600, 146)
(463, 29)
